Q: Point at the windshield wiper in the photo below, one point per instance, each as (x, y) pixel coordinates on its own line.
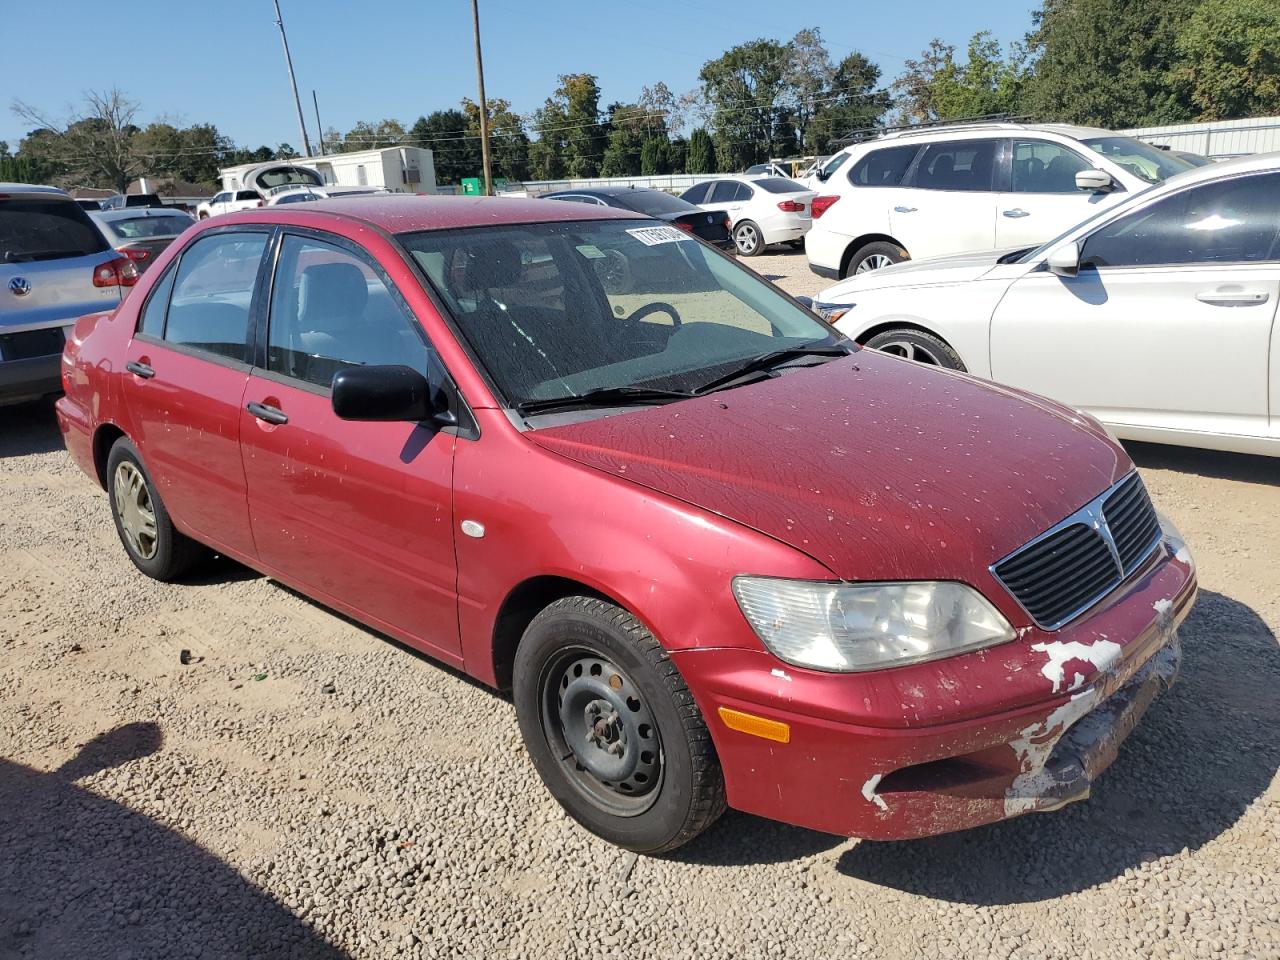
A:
(767, 361)
(602, 397)
(14, 256)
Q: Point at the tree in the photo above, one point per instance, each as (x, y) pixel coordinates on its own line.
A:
(937, 87)
(93, 147)
(508, 142)
(1108, 62)
(626, 140)
(855, 102)
(374, 136)
(1229, 59)
(808, 79)
(569, 122)
(455, 152)
(742, 88)
(701, 156)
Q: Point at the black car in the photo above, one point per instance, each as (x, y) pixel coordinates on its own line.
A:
(711, 227)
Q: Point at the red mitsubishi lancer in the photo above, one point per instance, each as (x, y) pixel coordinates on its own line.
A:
(720, 554)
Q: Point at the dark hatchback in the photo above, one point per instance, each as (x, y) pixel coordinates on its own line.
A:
(712, 227)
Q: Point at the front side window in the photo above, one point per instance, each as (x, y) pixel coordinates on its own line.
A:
(1232, 221)
(882, 168)
(1043, 167)
(330, 310)
(213, 292)
(556, 310)
(958, 165)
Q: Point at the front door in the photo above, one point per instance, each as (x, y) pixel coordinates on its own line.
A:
(947, 203)
(186, 374)
(1169, 321)
(1043, 200)
(357, 514)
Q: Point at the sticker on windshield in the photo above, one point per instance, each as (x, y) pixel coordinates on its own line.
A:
(590, 251)
(652, 236)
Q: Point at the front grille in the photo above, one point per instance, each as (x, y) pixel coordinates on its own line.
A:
(31, 343)
(1065, 571)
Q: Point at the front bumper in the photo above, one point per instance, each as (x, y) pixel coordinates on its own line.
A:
(906, 753)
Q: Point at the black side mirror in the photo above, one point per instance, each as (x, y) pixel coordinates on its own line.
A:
(391, 392)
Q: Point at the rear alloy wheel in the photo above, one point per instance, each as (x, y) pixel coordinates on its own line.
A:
(748, 239)
(150, 539)
(875, 256)
(612, 729)
(917, 345)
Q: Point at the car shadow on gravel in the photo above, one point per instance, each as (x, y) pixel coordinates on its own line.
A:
(1243, 467)
(1204, 752)
(83, 876)
(28, 428)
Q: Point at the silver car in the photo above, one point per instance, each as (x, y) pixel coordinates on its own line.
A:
(55, 266)
(141, 233)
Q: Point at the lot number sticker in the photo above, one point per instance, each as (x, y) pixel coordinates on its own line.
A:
(652, 236)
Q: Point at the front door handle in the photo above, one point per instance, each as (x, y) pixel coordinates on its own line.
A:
(1017, 212)
(267, 413)
(904, 209)
(140, 369)
(1233, 297)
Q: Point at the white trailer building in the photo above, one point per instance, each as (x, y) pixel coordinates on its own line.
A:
(397, 169)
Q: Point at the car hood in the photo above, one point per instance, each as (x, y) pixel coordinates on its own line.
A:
(876, 467)
(956, 268)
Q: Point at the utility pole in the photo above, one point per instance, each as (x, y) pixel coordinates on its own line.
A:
(306, 142)
(319, 129)
(484, 106)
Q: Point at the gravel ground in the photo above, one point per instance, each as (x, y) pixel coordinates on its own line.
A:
(306, 788)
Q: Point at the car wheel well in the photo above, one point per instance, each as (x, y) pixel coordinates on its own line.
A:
(104, 438)
(880, 328)
(861, 242)
(522, 604)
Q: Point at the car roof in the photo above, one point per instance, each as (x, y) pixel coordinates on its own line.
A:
(32, 188)
(405, 213)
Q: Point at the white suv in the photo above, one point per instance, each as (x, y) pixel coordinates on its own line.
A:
(932, 191)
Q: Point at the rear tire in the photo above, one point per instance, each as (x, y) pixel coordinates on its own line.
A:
(612, 728)
(918, 345)
(150, 539)
(873, 256)
(748, 239)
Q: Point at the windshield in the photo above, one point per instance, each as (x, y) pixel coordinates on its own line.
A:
(559, 309)
(1045, 247)
(654, 203)
(1141, 159)
(834, 164)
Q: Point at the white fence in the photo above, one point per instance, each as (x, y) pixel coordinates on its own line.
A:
(671, 183)
(1217, 140)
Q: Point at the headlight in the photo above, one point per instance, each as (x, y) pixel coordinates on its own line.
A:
(848, 627)
(831, 312)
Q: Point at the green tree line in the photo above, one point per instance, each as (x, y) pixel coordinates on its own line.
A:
(1110, 63)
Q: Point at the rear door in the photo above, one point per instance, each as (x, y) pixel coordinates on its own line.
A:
(948, 202)
(184, 381)
(1040, 198)
(727, 196)
(356, 514)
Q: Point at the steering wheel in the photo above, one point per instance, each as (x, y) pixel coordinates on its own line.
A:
(658, 306)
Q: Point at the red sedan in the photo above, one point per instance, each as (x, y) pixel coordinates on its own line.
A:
(720, 554)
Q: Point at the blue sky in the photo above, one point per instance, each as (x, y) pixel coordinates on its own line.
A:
(222, 62)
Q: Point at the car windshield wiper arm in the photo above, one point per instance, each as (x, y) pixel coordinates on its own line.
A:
(767, 361)
(602, 397)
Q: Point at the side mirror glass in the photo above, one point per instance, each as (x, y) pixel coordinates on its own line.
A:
(1094, 181)
(388, 393)
(1064, 260)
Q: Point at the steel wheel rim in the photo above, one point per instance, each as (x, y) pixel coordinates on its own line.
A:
(135, 511)
(601, 732)
(746, 239)
(910, 351)
(874, 262)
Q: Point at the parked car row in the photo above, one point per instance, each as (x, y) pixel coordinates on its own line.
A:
(719, 553)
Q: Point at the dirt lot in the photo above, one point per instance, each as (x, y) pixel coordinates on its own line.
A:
(234, 807)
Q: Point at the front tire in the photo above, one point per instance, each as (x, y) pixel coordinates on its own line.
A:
(150, 539)
(748, 239)
(874, 256)
(918, 345)
(612, 728)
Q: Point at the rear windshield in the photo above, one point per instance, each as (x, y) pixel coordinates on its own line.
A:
(34, 228)
(136, 228)
(654, 203)
(779, 185)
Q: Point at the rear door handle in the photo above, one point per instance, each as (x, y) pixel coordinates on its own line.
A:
(266, 413)
(1017, 212)
(140, 369)
(1233, 297)
(904, 209)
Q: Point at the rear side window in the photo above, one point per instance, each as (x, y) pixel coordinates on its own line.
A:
(248, 195)
(653, 203)
(780, 185)
(213, 291)
(35, 228)
(153, 313)
(724, 191)
(881, 168)
(958, 165)
(330, 310)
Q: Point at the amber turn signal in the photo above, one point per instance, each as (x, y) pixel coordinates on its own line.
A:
(756, 726)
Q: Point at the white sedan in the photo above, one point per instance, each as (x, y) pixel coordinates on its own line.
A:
(1157, 316)
(762, 210)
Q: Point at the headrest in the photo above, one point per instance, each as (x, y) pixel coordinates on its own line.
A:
(333, 290)
(495, 264)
